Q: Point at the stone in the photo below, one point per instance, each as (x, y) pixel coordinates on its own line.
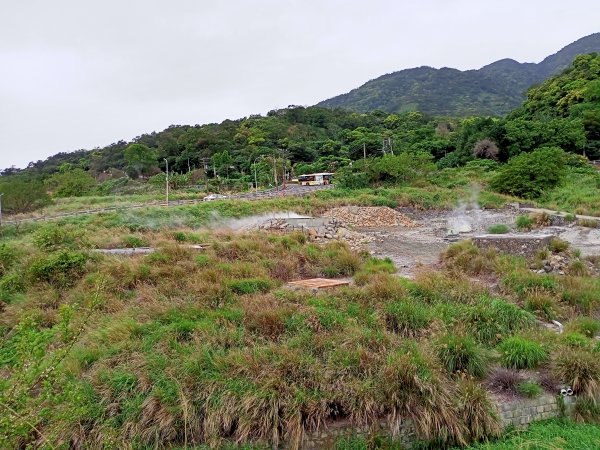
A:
(519, 244)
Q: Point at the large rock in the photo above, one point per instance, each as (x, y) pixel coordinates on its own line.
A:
(516, 244)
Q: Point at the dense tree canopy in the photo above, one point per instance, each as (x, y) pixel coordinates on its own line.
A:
(22, 194)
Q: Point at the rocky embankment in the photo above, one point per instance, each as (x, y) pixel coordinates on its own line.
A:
(337, 224)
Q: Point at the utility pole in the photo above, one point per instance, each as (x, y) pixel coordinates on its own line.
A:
(167, 180)
(284, 168)
(205, 162)
(275, 169)
(364, 151)
(1, 194)
(255, 177)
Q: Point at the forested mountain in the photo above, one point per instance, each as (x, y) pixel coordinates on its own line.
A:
(563, 112)
(494, 90)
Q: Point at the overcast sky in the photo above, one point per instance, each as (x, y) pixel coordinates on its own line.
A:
(83, 73)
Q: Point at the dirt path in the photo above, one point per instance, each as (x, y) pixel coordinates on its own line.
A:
(410, 248)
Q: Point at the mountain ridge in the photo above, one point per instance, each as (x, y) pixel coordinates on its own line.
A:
(494, 89)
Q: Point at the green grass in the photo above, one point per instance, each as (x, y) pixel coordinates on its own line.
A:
(520, 353)
(549, 435)
(529, 389)
(578, 196)
(524, 222)
(499, 228)
(461, 354)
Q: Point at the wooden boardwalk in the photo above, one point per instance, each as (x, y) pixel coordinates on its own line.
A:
(318, 283)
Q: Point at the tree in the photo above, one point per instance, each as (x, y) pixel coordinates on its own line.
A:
(403, 167)
(70, 182)
(222, 161)
(140, 160)
(486, 149)
(529, 175)
(22, 194)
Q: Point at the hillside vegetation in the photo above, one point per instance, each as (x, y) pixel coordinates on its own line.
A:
(181, 347)
(495, 89)
(561, 113)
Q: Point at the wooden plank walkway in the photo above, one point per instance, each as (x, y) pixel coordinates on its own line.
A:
(318, 283)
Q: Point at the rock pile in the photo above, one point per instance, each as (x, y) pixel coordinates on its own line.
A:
(355, 240)
(555, 263)
(369, 216)
(319, 230)
(563, 263)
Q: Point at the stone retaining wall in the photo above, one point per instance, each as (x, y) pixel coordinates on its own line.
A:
(518, 413)
(327, 437)
(522, 412)
(516, 244)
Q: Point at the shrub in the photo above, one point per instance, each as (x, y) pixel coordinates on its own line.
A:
(541, 303)
(529, 389)
(61, 268)
(587, 326)
(407, 317)
(586, 410)
(23, 194)
(570, 218)
(541, 219)
(376, 265)
(524, 222)
(529, 175)
(581, 292)
(8, 257)
(250, 285)
(54, 237)
(499, 228)
(578, 269)
(558, 245)
(462, 354)
(411, 388)
(589, 223)
(12, 283)
(575, 339)
(492, 319)
(579, 368)
(520, 353)
(477, 411)
(526, 282)
(202, 260)
(179, 236)
(466, 257)
(132, 241)
(504, 380)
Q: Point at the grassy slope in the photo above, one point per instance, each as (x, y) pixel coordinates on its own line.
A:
(180, 347)
(552, 435)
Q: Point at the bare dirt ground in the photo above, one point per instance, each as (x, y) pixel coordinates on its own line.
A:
(411, 248)
(585, 239)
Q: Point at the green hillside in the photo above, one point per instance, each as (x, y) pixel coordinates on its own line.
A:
(494, 89)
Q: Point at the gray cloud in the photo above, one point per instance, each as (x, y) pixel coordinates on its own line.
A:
(81, 74)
